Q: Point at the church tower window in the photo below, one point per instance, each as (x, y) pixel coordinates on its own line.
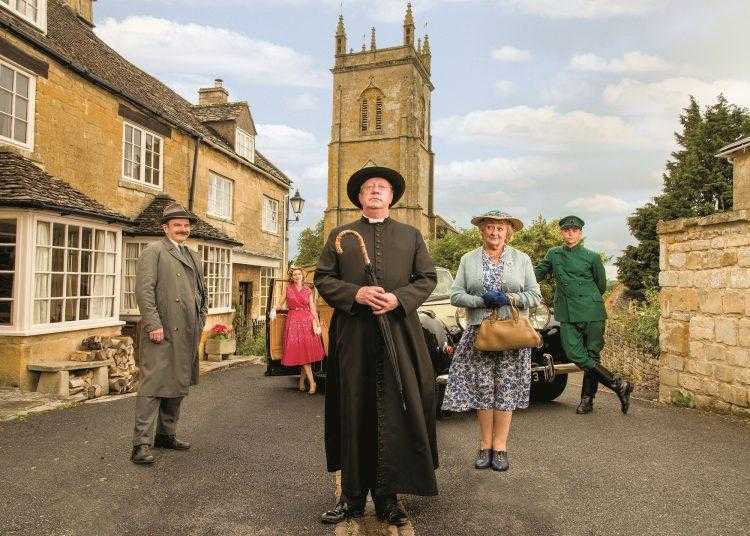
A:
(364, 120)
(379, 113)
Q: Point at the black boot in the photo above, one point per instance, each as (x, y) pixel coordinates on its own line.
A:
(621, 387)
(588, 390)
(389, 511)
(170, 442)
(345, 509)
(142, 455)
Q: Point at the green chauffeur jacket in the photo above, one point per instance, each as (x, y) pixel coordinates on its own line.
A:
(580, 282)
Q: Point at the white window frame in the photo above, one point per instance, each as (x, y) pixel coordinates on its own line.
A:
(218, 276)
(269, 224)
(127, 275)
(244, 144)
(141, 179)
(40, 21)
(30, 111)
(267, 275)
(219, 186)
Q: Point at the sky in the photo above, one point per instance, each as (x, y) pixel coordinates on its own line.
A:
(547, 107)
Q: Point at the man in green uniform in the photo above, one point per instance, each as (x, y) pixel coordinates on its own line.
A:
(580, 282)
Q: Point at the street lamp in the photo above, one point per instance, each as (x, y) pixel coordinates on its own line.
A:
(297, 204)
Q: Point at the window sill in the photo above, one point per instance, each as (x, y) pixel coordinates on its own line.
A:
(219, 218)
(139, 186)
(51, 328)
(220, 311)
(17, 144)
(272, 233)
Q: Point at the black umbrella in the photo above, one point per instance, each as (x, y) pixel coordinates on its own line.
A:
(385, 327)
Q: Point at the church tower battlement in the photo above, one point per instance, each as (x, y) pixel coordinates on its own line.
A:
(381, 116)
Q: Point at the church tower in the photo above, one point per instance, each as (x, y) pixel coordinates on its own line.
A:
(381, 116)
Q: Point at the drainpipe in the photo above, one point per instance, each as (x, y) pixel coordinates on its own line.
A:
(194, 173)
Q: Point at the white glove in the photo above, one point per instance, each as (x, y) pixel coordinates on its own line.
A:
(272, 314)
(317, 330)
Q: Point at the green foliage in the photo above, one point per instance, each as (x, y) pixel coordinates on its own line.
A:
(310, 245)
(696, 183)
(248, 343)
(639, 323)
(684, 400)
(535, 240)
(448, 250)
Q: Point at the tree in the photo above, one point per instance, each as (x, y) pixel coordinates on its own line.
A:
(696, 183)
(310, 245)
(447, 251)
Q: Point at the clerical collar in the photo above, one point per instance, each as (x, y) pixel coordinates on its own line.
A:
(374, 220)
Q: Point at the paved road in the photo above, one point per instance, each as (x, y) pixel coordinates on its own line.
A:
(257, 468)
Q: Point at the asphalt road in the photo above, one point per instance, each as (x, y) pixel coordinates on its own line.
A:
(257, 468)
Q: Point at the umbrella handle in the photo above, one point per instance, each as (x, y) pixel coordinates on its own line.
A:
(359, 238)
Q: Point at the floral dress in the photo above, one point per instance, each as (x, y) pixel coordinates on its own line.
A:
(488, 380)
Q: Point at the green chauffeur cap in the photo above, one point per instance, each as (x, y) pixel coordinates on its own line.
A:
(569, 222)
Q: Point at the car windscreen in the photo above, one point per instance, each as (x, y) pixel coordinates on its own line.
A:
(444, 283)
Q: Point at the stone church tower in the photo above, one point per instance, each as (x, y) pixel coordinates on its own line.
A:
(381, 116)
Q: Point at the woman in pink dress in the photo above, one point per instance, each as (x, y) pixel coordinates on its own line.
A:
(302, 344)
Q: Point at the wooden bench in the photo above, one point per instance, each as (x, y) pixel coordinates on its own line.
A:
(54, 376)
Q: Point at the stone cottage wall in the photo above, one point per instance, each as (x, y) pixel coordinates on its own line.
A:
(705, 321)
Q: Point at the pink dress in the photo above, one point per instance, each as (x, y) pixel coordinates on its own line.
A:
(301, 345)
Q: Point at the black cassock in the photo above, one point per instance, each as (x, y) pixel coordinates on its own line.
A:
(376, 445)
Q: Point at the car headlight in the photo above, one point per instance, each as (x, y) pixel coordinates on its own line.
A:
(461, 317)
(539, 316)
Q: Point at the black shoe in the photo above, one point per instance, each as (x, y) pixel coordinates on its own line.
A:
(343, 510)
(586, 405)
(170, 442)
(484, 459)
(621, 387)
(389, 511)
(142, 455)
(500, 460)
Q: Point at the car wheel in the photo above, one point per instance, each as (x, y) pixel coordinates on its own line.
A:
(543, 392)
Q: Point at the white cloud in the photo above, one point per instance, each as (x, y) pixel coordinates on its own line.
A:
(516, 174)
(303, 102)
(600, 203)
(505, 88)
(511, 54)
(635, 62)
(190, 52)
(582, 9)
(543, 126)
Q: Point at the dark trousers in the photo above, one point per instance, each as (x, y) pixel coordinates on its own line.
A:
(155, 416)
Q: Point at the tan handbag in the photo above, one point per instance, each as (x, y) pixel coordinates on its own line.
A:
(512, 334)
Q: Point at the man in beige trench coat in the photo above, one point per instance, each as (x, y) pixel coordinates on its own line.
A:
(171, 295)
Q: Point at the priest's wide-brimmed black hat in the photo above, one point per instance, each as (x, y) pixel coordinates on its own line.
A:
(174, 211)
(354, 185)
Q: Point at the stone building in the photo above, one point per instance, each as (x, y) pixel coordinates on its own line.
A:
(381, 116)
(705, 298)
(91, 149)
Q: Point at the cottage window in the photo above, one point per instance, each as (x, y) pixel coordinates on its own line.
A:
(75, 273)
(270, 215)
(131, 253)
(245, 144)
(7, 269)
(220, 196)
(217, 270)
(34, 11)
(266, 278)
(16, 106)
(142, 156)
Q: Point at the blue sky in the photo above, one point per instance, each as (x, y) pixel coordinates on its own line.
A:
(541, 106)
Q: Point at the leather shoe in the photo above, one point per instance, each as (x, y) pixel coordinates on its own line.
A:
(170, 442)
(500, 460)
(343, 510)
(484, 459)
(142, 455)
(586, 405)
(389, 511)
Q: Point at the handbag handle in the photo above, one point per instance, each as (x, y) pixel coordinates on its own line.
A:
(513, 313)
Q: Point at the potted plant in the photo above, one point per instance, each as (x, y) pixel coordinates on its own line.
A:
(221, 340)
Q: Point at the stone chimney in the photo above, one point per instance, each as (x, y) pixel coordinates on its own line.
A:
(83, 8)
(213, 95)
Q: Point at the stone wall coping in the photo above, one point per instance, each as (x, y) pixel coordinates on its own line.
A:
(675, 226)
(55, 366)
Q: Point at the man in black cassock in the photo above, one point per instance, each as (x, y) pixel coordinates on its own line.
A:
(379, 447)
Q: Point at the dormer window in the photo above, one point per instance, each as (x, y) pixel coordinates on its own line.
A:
(34, 11)
(245, 145)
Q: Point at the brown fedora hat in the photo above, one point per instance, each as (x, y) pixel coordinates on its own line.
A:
(354, 185)
(175, 211)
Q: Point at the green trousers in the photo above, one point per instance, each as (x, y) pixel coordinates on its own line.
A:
(582, 342)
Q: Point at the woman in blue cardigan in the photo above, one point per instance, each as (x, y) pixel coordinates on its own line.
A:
(494, 276)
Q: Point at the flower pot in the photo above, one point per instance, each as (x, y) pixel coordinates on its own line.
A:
(221, 346)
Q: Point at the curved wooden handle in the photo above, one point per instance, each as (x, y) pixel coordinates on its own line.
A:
(359, 238)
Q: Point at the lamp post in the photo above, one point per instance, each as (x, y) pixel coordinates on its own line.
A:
(297, 203)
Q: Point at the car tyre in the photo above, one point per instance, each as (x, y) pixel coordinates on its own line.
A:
(544, 392)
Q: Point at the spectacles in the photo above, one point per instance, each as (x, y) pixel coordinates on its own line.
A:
(371, 187)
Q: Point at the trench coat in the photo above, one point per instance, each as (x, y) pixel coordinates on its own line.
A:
(171, 294)
(406, 447)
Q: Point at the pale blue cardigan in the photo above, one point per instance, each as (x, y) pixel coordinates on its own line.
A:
(519, 282)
